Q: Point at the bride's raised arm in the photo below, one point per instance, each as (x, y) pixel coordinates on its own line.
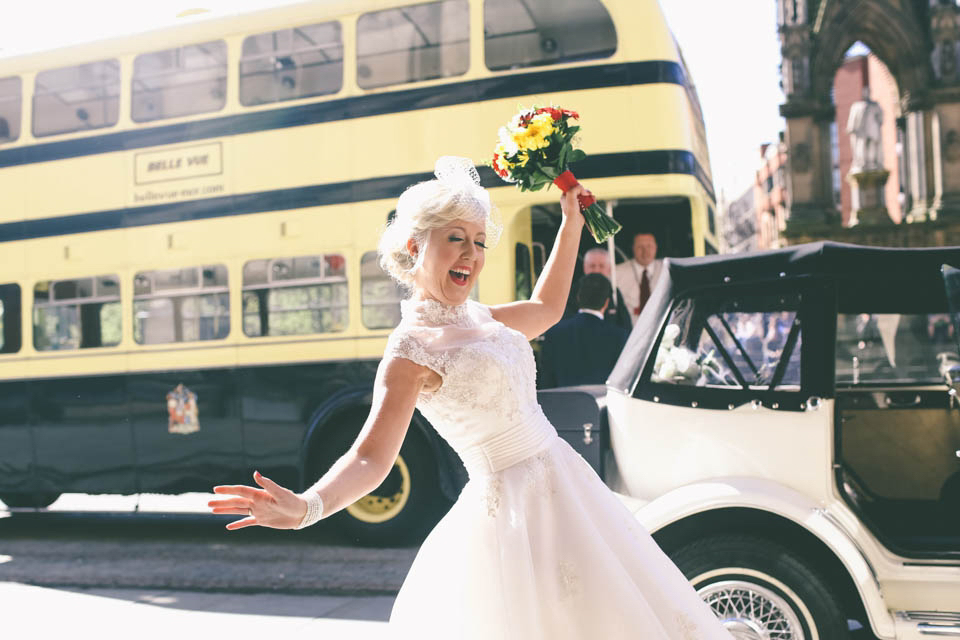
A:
(546, 305)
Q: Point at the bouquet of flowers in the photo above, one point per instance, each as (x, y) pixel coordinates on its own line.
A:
(535, 148)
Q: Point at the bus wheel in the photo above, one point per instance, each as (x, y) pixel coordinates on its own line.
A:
(406, 505)
(759, 589)
(27, 499)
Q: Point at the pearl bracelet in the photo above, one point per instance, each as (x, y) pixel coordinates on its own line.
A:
(314, 509)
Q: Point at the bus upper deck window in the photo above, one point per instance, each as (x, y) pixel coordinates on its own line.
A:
(76, 314)
(10, 92)
(525, 33)
(291, 63)
(295, 296)
(414, 43)
(180, 82)
(78, 98)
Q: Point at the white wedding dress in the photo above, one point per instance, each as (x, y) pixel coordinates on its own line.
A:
(536, 547)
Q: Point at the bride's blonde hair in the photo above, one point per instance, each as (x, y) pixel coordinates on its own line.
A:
(455, 194)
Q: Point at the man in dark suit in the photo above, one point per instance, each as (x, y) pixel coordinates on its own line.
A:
(597, 260)
(582, 349)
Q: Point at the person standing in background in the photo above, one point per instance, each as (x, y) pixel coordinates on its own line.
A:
(583, 348)
(636, 278)
(597, 260)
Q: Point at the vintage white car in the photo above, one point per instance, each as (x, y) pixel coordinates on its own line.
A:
(784, 424)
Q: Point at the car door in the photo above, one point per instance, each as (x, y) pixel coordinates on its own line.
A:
(898, 427)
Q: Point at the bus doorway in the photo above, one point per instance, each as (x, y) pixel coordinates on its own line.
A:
(669, 219)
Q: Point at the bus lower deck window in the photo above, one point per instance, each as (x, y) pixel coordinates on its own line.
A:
(78, 313)
(181, 305)
(10, 335)
(295, 296)
(380, 295)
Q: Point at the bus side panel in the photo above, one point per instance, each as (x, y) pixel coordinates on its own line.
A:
(82, 435)
(187, 429)
(16, 446)
(277, 404)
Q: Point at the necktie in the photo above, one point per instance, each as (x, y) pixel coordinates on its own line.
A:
(644, 291)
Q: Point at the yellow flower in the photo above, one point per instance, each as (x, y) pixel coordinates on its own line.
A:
(502, 151)
(534, 136)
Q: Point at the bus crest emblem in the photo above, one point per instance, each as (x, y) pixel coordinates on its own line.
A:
(182, 410)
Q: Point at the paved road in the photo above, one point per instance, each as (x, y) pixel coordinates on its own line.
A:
(119, 614)
(188, 551)
(88, 568)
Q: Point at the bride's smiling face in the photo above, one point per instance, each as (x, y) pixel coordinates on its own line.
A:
(451, 263)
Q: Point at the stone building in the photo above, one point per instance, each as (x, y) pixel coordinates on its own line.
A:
(740, 224)
(770, 195)
(917, 40)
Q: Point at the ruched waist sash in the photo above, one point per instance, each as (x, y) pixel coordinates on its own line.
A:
(505, 449)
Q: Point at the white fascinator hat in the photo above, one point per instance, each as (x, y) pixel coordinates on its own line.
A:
(455, 193)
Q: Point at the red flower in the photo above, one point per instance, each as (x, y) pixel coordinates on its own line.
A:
(558, 114)
(496, 167)
(554, 113)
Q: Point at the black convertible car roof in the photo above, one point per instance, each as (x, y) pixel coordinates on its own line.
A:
(836, 259)
(865, 280)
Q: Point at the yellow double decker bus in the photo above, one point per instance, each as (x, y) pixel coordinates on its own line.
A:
(189, 288)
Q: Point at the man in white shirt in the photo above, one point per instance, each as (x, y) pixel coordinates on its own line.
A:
(636, 278)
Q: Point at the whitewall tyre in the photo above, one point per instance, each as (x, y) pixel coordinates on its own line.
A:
(760, 590)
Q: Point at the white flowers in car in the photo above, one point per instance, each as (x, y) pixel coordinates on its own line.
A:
(675, 364)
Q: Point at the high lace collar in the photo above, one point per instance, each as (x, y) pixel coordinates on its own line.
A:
(433, 312)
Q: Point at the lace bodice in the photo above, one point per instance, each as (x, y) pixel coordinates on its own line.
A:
(486, 406)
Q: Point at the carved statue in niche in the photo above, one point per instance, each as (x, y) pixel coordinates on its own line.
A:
(863, 126)
(948, 59)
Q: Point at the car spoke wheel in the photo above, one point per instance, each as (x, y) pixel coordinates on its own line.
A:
(752, 612)
(760, 590)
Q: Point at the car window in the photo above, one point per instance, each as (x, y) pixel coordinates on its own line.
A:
(889, 348)
(745, 343)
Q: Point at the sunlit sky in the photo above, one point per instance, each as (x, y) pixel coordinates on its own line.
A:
(733, 57)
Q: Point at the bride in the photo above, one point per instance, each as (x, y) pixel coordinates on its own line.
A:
(536, 546)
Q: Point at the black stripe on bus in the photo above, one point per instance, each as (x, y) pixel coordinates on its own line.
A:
(605, 165)
(592, 77)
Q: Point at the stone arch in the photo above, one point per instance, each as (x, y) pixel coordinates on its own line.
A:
(889, 29)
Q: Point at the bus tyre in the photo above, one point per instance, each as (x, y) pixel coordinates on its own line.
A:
(406, 505)
(28, 500)
(759, 589)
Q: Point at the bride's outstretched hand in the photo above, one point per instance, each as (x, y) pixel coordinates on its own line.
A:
(270, 506)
